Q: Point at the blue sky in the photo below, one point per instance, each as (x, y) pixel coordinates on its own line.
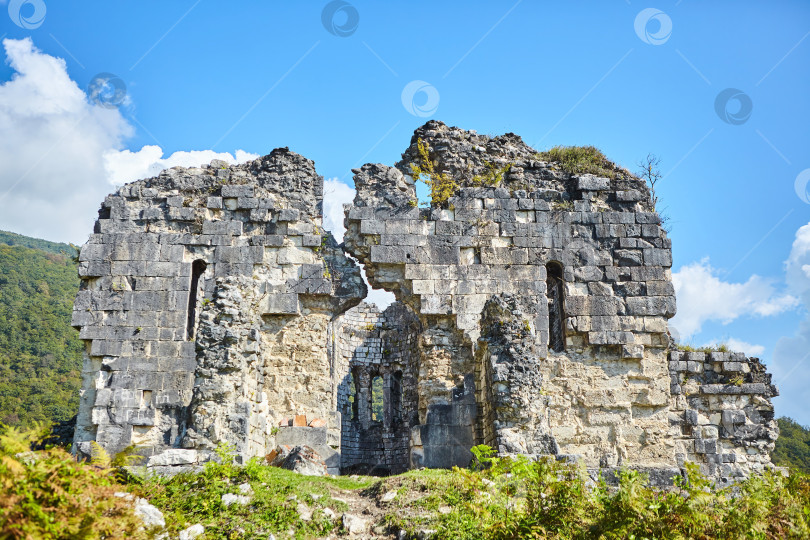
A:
(252, 76)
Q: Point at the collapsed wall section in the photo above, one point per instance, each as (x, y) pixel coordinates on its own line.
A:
(205, 302)
(516, 225)
(376, 369)
(722, 411)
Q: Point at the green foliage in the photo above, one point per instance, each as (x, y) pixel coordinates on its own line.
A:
(191, 498)
(580, 160)
(40, 354)
(493, 177)
(377, 399)
(226, 452)
(442, 186)
(14, 239)
(793, 446)
(687, 347)
(48, 494)
(511, 498)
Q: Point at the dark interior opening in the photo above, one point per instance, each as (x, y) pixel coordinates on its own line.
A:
(396, 397)
(354, 393)
(555, 288)
(197, 270)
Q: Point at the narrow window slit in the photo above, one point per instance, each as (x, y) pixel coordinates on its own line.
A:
(556, 315)
(197, 270)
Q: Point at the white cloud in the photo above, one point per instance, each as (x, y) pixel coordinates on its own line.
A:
(61, 153)
(791, 355)
(335, 195)
(51, 141)
(125, 166)
(703, 296)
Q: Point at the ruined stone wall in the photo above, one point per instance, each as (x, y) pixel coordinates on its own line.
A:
(722, 412)
(531, 316)
(266, 282)
(605, 397)
(371, 344)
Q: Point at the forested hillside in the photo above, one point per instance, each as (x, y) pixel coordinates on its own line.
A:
(40, 354)
(14, 239)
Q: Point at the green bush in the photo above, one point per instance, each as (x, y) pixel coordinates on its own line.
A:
(580, 160)
(48, 494)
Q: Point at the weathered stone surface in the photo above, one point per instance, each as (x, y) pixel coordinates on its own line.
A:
(301, 459)
(532, 316)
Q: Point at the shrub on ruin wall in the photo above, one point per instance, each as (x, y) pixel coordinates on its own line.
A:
(580, 160)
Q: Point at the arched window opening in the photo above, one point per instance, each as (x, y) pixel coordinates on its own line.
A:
(556, 314)
(377, 399)
(352, 382)
(197, 270)
(396, 397)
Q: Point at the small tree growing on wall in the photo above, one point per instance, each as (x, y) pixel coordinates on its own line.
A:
(649, 172)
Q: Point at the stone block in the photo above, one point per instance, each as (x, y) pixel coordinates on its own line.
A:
(235, 191)
(297, 435)
(589, 182)
(279, 304)
(173, 456)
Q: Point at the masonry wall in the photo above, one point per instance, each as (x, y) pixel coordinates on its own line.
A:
(605, 396)
(722, 412)
(531, 316)
(249, 348)
(372, 344)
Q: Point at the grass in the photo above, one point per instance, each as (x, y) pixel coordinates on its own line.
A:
(686, 347)
(48, 495)
(190, 498)
(580, 160)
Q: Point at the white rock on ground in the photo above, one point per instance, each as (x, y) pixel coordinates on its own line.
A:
(304, 511)
(230, 498)
(192, 532)
(174, 456)
(354, 524)
(390, 496)
(150, 515)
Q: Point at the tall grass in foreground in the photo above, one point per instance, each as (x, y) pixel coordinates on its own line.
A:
(46, 494)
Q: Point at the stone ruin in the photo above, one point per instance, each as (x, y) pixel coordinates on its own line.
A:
(531, 316)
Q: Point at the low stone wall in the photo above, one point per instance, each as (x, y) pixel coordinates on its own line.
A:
(722, 412)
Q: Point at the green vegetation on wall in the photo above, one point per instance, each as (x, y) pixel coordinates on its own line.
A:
(580, 160)
(40, 354)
